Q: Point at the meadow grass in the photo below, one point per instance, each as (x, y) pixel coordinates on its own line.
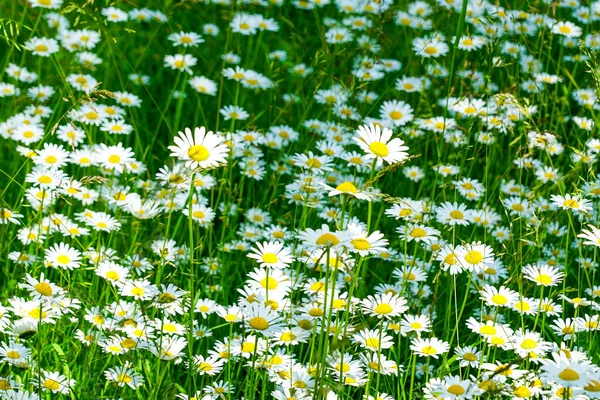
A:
(299, 199)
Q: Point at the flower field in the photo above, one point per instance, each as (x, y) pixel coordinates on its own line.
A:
(303, 199)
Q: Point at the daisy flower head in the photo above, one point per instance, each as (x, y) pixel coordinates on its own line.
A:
(124, 375)
(384, 305)
(271, 254)
(571, 202)
(202, 150)
(61, 255)
(591, 236)
(396, 113)
(375, 142)
(429, 48)
(348, 188)
(431, 347)
(543, 275)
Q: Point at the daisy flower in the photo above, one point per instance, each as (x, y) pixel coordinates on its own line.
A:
(431, 347)
(124, 375)
(201, 151)
(55, 382)
(396, 113)
(271, 254)
(384, 305)
(571, 202)
(376, 143)
(543, 275)
(567, 372)
(62, 255)
(347, 188)
(592, 235)
(181, 62)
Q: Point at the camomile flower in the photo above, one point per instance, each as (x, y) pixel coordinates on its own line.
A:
(453, 214)
(203, 150)
(429, 48)
(54, 382)
(376, 143)
(41, 289)
(203, 85)
(384, 305)
(61, 255)
(431, 347)
(571, 202)
(41, 46)
(233, 112)
(396, 113)
(568, 372)
(271, 254)
(417, 232)
(185, 39)
(469, 356)
(543, 275)
(566, 29)
(347, 188)
(181, 62)
(475, 256)
(113, 157)
(499, 297)
(124, 375)
(200, 213)
(261, 319)
(592, 236)
(453, 387)
(363, 243)
(371, 339)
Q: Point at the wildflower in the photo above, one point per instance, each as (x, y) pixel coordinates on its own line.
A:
(376, 143)
(384, 306)
(124, 375)
(271, 254)
(431, 347)
(202, 150)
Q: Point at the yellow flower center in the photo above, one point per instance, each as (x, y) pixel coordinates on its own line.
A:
(383, 309)
(327, 239)
(395, 115)
(456, 390)
(361, 244)
(379, 149)
(347, 187)
(269, 283)
(43, 288)
(62, 259)
(568, 375)
(270, 258)
(259, 323)
(198, 153)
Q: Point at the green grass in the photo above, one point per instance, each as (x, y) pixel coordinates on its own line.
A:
(102, 339)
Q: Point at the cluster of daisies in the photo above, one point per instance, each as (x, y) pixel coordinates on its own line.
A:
(310, 256)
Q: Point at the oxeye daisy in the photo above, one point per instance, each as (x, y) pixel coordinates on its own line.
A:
(124, 375)
(271, 254)
(568, 372)
(376, 143)
(384, 305)
(572, 202)
(500, 297)
(202, 150)
(543, 275)
(348, 188)
(61, 255)
(592, 236)
(431, 347)
(201, 214)
(372, 340)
